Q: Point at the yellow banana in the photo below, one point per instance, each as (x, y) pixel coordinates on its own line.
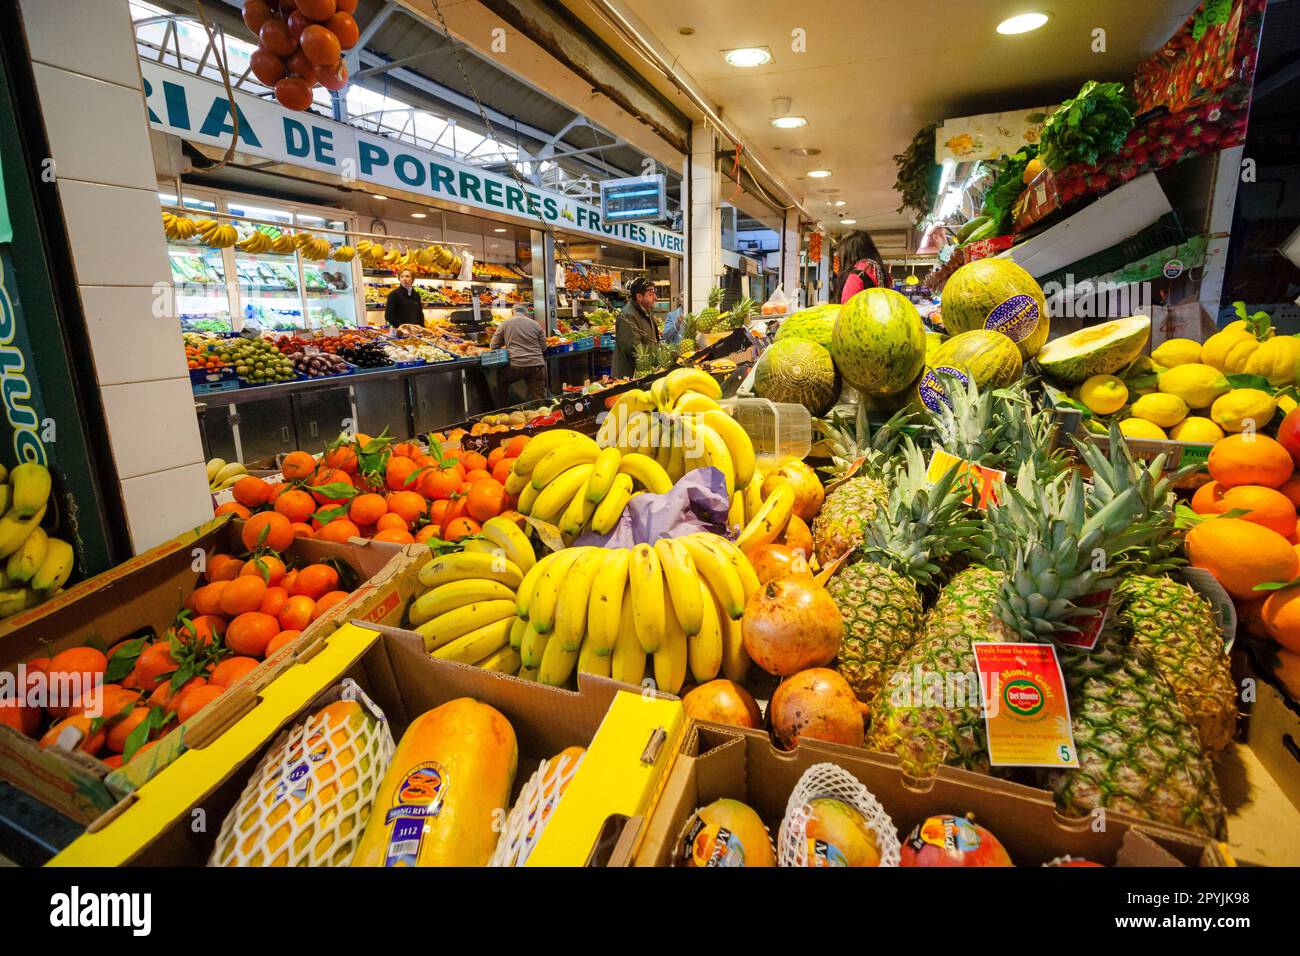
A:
(716, 455)
(676, 460)
(736, 513)
(532, 648)
(605, 606)
(771, 519)
(659, 392)
(627, 663)
(517, 632)
(527, 499)
(610, 426)
(467, 564)
(512, 540)
(718, 572)
(13, 600)
(683, 583)
(753, 500)
(14, 531)
(445, 628)
(704, 650)
(694, 453)
(646, 471)
(524, 594)
(738, 560)
(551, 502)
(27, 560)
(504, 661)
(546, 592)
(575, 596)
(611, 508)
(735, 659)
(527, 673)
(589, 662)
(483, 546)
(635, 400)
(691, 401)
(681, 380)
(662, 442)
(477, 644)
(578, 512)
(516, 481)
(604, 471)
(634, 433)
(6, 491)
(557, 664)
(648, 597)
(542, 445)
(739, 445)
(672, 656)
(561, 460)
(31, 484)
(454, 594)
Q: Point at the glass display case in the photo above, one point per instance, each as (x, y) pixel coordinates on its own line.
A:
(199, 278)
(270, 298)
(328, 290)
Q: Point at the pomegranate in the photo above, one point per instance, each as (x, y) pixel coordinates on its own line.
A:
(808, 491)
(791, 624)
(949, 840)
(772, 561)
(723, 702)
(798, 536)
(818, 704)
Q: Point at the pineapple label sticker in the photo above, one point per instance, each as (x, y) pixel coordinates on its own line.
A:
(983, 482)
(1026, 713)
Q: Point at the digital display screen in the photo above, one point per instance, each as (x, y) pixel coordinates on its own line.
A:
(640, 199)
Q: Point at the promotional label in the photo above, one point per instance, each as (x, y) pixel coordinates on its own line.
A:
(1015, 317)
(708, 844)
(821, 853)
(947, 833)
(983, 482)
(931, 389)
(1026, 712)
(419, 797)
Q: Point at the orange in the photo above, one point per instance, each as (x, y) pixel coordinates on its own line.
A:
(196, 700)
(222, 567)
(296, 505)
(462, 527)
(245, 593)
(471, 461)
(26, 720)
(207, 599)
(455, 509)
(367, 508)
(287, 581)
(315, 580)
(274, 600)
(265, 566)
(391, 522)
(394, 536)
(397, 471)
(494, 456)
(281, 639)
(1206, 500)
(202, 629)
(485, 499)
(1241, 554)
(408, 505)
(155, 663)
(164, 697)
(297, 465)
(269, 529)
(515, 445)
(338, 531)
(84, 661)
(326, 602)
(232, 508)
(501, 470)
(1291, 488)
(1281, 617)
(1249, 460)
(1266, 507)
(425, 461)
(251, 491)
(122, 728)
(250, 632)
(231, 670)
(91, 741)
(301, 530)
(332, 477)
(438, 511)
(344, 457)
(478, 474)
(438, 483)
(296, 613)
(407, 449)
(428, 531)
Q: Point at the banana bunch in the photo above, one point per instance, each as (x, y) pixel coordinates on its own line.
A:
(564, 478)
(679, 423)
(284, 244)
(344, 253)
(671, 609)
(223, 474)
(371, 253)
(468, 611)
(256, 243)
(312, 247)
(36, 564)
(760, 520)
(215, 234)
(178, 227)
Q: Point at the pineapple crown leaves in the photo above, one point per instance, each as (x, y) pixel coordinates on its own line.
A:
(966, 425)
(715, 296)
(1028, 435)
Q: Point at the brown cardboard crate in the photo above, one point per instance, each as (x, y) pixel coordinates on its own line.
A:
(143, 596)
(717, 761)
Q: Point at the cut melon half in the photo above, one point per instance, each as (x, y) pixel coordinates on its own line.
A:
(1097, 350)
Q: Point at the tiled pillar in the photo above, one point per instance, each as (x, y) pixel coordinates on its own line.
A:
(91, 98)
(790, 252)
(705, 241)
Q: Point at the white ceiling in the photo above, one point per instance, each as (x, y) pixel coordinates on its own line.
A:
(876, 72)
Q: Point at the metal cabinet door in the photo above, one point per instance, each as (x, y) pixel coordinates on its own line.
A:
(217, 431)
(320, 415)
(266, 428)
(381, 403)
(439, 399)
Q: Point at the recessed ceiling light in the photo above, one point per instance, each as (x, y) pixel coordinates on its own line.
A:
(419, 215)
(840, 202)
(686, 31)
(848, 222)
(805, 151)
(747, 56)
(377, 196)
(500, 230)
(818, 173)
(789, 122)
(829, 190)
(1022, 23)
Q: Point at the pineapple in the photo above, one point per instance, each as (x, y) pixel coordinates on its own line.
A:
(906, 543)
(738, 316)
(707, 320)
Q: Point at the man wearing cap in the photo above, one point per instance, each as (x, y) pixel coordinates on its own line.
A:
(523, 340)
(635, 326)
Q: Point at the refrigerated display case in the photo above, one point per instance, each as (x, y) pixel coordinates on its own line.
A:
(329, 288)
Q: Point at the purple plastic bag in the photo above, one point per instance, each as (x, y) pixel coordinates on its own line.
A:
(696, 503)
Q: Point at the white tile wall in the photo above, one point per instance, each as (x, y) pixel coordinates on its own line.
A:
(152, 425)
(130, 342)
(161, 505)
(92, 37)
(116, 234)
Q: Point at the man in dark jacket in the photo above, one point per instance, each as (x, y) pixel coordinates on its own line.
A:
(635, 326)
(404, 305)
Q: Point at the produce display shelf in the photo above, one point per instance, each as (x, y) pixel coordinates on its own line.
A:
(255, 393)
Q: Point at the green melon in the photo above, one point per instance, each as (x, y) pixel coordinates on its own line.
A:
(990, 357)
(931, 387)
(998, 295)
(878, 342)
(1097, 350)
(798, 371)
(814, 324)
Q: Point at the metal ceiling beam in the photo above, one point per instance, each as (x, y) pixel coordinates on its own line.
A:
(391, 65)
(376, 22)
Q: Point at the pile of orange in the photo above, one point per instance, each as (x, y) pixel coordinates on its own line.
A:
(243, 610)
(373, 488)
(1255, 476)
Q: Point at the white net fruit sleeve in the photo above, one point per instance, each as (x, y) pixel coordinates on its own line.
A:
(827, 781)
(531, 812)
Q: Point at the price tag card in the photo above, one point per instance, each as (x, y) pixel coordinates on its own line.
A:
(1090, 626)
(984, 482)
(1026, 711)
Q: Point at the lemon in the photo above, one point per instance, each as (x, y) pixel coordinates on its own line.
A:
(1243, 408)
(1103, 394)
(1160, 409)
(1195, 429)
(1196, 384)
(1174, 352)
(1286, 404)
(1139, 428)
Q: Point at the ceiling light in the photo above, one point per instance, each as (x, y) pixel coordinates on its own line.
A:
(499, 229)
(805, 151)
(818, 173)
(829, 190)
(840, 202)
(848, 222)
(747, 56)
(789, 122)
(686, 31)
(1022, 23)
(419, 215)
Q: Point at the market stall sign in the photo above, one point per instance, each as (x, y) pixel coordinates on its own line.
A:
(198, 110)
(988, 135)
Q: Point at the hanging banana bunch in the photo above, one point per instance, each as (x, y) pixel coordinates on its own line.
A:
(344, 253)
(177, 227)
(215, 234)
(256, 243)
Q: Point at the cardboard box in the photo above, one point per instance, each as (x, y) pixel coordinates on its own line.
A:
(1273, 731)
(716, 761)
(142, 597)
(155, 825)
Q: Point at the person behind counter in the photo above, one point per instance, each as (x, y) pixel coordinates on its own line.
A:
(404, 305)
(635, 326)
(860, 266)
(522, 337)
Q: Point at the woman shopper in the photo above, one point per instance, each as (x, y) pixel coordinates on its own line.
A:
(860, 266)
(522, 337)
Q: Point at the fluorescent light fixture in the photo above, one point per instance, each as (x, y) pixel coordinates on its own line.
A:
(789, 122)
(747, 56)
(948, 167)
(377, 196)
(500, 229)
(818, 173)
(419, 215)
(1022, 23)
(839, 203)
(848, 222)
